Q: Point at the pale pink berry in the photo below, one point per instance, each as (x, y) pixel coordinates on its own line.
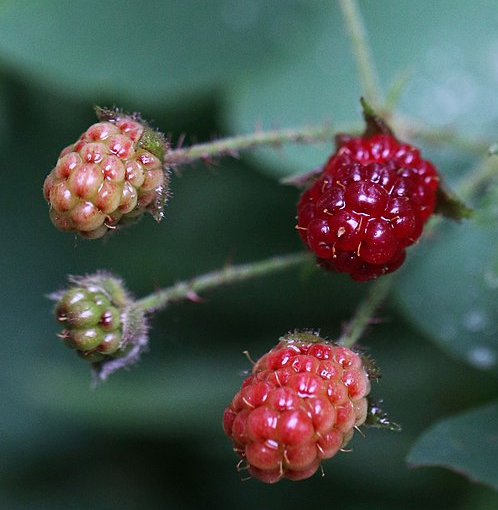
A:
(111, 176)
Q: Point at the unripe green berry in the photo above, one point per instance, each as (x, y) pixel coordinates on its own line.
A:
(101, 323)
(87, 314)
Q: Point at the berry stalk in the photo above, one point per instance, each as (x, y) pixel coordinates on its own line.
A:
(228, 275)
(232, 146)
(368, 75)
(365, 311)
(409, 127)
(479, 179)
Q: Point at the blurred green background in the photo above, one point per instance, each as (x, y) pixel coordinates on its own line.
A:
(150, 438)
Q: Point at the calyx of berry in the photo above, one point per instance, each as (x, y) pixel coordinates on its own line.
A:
(375, 124)
(378, 418)
(450, 206)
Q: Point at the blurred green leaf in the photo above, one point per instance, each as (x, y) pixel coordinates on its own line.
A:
(154, 51)
(151, 437)
(467, 444)
(449, 290)
(442, 43)
(317, 85)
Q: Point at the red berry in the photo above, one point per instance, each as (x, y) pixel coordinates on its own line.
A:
(111, 175)
(299, 406)
(369, 203)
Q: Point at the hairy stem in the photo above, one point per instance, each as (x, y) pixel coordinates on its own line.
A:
(225, 276)
(232, 146)
(361, 49)
(485, 172)
(364, 313)
(409, 127)
(312, 134)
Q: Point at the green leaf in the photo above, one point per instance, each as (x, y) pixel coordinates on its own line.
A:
(449, 290)
(467, 444)
(153, 51)
(317, 85)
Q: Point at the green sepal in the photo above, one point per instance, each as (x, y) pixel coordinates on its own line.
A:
(370, 366)
(378, 418)
(154, 142)
(302, 337)
(375, 124)
(450, 206)
(107, 114)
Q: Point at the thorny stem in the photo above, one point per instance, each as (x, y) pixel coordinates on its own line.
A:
(232, 146)
(364, 61)
(363, 314)
(227, 275)
(487, 170)
(408, 127)
(405, 127)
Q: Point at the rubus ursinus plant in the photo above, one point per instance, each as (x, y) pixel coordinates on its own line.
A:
(371, 200)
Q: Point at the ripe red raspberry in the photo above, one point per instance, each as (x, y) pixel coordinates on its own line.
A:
(109, 177)
(368, 205)
(299, 406)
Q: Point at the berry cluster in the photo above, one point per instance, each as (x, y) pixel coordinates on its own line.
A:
(109, 177)
(368, 205)
(101, 322)
(299, 406)
(92, 322)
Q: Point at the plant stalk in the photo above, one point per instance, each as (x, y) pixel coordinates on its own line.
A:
(365, 311)
(232, 146)
(367, 71)
(189, 289)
